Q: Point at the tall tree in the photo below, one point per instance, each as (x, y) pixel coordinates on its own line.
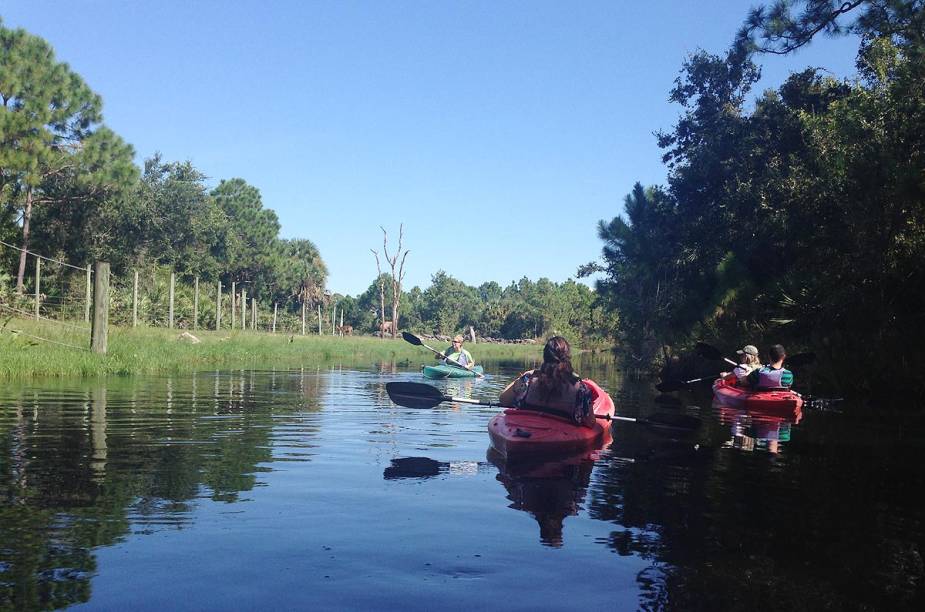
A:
(254, 229)
(302, 272)
(82, 203)
(46, 114)
(172, 219)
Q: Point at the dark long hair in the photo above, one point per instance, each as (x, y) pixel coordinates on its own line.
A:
(556, 371)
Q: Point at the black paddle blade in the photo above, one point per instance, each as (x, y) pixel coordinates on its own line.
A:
(414, 467)
(411, 338)
(800, 359)
(670, 385)
(414, 395)
(705, 350)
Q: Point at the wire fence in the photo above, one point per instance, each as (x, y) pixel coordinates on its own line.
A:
(59, 292)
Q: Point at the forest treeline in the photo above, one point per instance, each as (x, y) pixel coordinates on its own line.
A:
(523, 309)
(70, 190)
(798, 217)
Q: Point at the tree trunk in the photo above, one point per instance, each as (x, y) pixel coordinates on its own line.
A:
(381, 306)
(394, 317)
(26, 217)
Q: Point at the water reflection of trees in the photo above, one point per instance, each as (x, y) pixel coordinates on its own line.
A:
(80, 467)
(825, 526)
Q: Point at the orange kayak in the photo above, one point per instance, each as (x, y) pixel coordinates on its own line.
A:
(522, 432)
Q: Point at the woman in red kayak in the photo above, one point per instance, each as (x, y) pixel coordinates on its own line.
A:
(553, 387)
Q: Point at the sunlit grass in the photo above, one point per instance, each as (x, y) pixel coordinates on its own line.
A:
(147, 350)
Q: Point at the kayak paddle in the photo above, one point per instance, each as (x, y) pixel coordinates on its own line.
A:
(675, 385)
(711, 352)
(800, 359)
(419, 395)
(412, 339)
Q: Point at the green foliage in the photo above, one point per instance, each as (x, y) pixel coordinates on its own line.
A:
(801, 221)
(449, 304)
(52, 149)
(525, 309)
(249, 249)
(777, 29)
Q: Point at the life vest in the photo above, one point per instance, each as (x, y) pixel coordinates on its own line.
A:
(774, 378)
(462, 357)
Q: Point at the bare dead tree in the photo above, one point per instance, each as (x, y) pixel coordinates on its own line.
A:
(381, 283)
(396, 278)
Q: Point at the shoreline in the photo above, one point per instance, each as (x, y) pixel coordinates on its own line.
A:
(63, 351)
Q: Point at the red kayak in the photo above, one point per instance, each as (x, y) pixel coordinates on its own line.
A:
(525, 432)
(780, 402)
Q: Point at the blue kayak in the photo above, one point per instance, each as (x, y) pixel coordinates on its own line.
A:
(448, 371)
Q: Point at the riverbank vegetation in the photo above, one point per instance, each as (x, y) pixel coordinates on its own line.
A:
(146, 350)
(797, 219)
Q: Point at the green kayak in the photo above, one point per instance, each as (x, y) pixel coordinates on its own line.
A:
(447, 371)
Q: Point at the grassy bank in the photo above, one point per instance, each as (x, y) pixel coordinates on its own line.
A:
(144, 350)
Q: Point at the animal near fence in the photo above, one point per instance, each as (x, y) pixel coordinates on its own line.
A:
(68, 295)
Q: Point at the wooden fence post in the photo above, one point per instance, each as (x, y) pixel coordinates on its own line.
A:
(319, 319)
(170, 300)
(218, 306)
(275, 305)
(334, 321)
(254, 314)
(135, 301)
(243, 309)
(38, 284)
(196, 303)
(100, 328)
(303, 317)
(89, 292)
(233, 297)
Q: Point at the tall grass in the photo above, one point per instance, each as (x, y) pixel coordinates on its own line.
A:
(147, 350)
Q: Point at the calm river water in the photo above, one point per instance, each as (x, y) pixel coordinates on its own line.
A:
(307, 489)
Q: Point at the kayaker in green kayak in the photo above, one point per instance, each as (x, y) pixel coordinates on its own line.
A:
(457, 353)
(553, 387)
(773, 375)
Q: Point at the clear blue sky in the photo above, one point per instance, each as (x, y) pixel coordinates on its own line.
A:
(498, 132)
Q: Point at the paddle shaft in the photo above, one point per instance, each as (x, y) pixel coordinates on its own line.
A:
(605, 417)
(416, 395)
